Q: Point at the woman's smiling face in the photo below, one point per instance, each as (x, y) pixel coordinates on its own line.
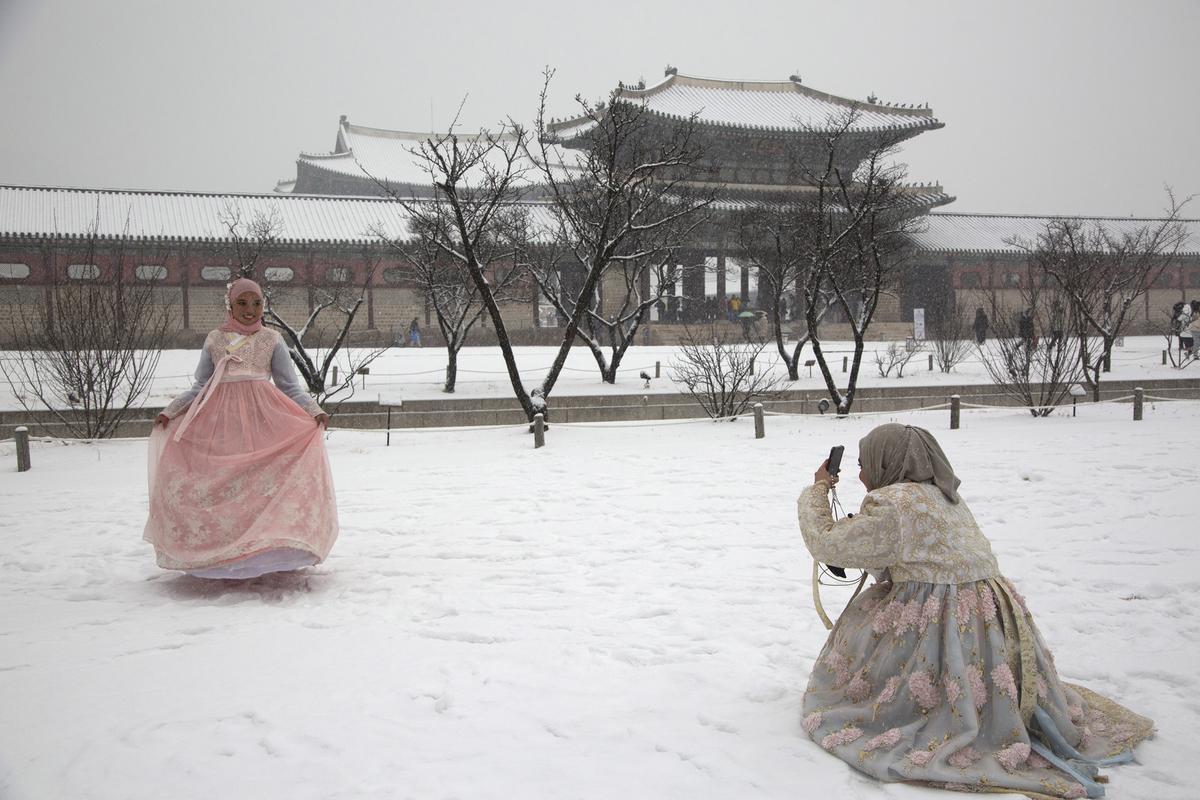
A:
(247, 308)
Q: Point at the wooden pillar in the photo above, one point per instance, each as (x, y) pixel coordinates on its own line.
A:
(370, 278)
(185, 285)
(720, 274)
(745, 287)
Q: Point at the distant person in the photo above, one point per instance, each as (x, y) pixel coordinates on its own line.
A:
(239, 480)
(1188, 335)
(1058, 317)
(414, 333)
(937, 673)
(1026, 331)
(981, 326)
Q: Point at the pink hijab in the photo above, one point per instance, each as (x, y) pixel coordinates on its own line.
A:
(241, 286)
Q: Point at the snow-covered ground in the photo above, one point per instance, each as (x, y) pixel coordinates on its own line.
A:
(418, 373)
(625, 613)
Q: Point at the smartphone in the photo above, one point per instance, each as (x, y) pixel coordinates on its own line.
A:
(835, 459)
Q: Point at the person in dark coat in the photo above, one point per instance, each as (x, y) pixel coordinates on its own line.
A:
(981, 326)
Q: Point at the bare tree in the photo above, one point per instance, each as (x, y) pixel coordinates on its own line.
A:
(1101, 271)
(622, 208)
(896, 357)
(718, 371)
(444, 280)
(858, 239)
(949, 334)
(479, 182)
(774, 236)
(89, 353)
(317, 363)
(1038, 374)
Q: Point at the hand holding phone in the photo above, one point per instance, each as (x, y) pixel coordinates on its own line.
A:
(835, 459)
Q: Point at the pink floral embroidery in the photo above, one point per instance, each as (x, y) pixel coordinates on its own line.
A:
(886, 739)
(920, 758)
(910, 616)
(953, 690)
(859, 689)
(964, 758)
(1122, 732)
(844, 736)
(979, 694)
(1002, 677)
(887, 616)
(840, 666)
(1075, 791)
(1042, 689)
(1076, 713)
(811, 722)
(931, 612)
(889, 691)
(920, 684)
(987, 603)
(1017, 595)
(1038, 762)
(968, 604)
(1013, 756)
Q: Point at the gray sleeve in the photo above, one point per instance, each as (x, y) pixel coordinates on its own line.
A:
(284, 374)
(204, 371)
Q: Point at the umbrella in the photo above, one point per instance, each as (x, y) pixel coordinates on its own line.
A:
(748, 315)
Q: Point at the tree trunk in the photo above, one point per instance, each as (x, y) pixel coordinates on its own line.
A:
(451, 367)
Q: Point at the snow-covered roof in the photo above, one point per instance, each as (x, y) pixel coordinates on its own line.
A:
(32, 211)
(388, 156)
(950, 232)
(917, 195)
(771, 106)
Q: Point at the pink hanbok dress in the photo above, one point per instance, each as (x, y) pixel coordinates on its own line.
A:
(240, 483)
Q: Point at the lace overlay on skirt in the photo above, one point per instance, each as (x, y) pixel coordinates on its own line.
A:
(248, 475)
(930, 682)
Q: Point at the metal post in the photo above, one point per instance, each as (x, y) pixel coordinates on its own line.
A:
(845, 363)
(335, 381)
(759, 432)
(1164, 358)
(955, 408)
(751, 365)
(389, 428)
(21, 435)
(1138, 398)
(658, 369)
(539, 431)
(931, 362)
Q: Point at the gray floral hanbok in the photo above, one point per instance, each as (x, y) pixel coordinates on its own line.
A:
(937, 674)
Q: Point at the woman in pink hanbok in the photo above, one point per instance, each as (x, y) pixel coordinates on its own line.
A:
(239, 480)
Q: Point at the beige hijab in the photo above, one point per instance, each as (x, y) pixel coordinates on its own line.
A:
(895, 453)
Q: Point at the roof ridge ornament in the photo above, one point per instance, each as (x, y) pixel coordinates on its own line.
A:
(795, 78)
(669, 71)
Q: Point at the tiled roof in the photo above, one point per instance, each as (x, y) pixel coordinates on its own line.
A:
(29, 211)
(387, 156)
(947, 232)
(920, 196)
(774, 106)
(32, 212)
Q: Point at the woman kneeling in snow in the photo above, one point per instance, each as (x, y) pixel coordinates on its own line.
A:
(937, 673)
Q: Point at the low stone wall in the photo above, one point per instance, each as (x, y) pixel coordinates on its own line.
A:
(465, 412)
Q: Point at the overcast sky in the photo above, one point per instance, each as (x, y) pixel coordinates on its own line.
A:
(1082, 107)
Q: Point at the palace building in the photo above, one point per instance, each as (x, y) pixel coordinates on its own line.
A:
(330, 222)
